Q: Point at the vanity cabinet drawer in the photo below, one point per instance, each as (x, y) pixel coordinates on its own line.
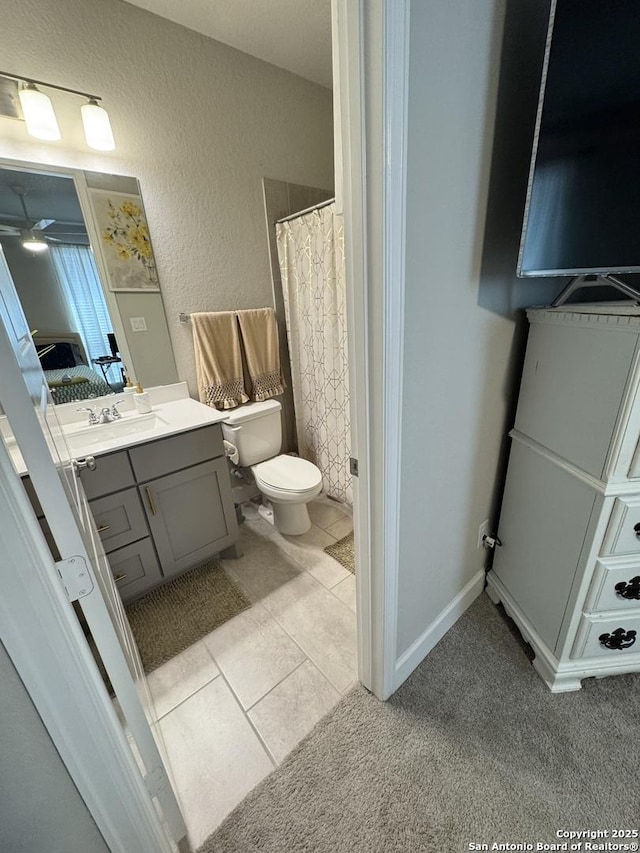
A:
(119, 518)
(112, 473)
(615, 587)
(177, 452)
(135, 568)
(614, 637)
(623, 532)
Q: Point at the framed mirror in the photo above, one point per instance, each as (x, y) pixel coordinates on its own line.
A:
(78, 248)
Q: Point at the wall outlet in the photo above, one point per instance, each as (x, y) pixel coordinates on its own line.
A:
(483, 531)
(138, 324)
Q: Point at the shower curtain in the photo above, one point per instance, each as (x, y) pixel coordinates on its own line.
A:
(311, 255)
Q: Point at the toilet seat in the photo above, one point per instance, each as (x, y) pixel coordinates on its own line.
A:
(289, 476)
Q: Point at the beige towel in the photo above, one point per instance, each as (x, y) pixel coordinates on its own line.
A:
(260, 341)
(218, 359)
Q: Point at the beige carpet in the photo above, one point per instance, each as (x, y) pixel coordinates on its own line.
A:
(472, 748)
(343, 551)
(174, 616)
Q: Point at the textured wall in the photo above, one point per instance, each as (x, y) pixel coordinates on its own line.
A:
(197, 122)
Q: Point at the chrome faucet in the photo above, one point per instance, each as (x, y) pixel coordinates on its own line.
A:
(93, 418)
(105, 416)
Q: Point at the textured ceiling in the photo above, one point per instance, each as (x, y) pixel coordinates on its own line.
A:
(292, 34)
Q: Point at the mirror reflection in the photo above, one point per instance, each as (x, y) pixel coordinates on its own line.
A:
(78, 249)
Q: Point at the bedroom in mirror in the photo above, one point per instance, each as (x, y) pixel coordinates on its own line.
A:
(78, 249)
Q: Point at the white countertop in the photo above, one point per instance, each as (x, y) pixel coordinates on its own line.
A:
(168, 417)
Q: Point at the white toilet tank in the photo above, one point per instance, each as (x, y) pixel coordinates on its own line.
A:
(256, 430)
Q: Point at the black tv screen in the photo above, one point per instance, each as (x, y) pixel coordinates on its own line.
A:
(583, 202)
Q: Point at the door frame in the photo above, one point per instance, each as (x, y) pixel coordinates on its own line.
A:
(42, 635)
(373, 48)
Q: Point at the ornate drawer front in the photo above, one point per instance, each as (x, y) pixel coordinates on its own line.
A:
(623, 532)
(615, 586)
(608, 636)
(119, 518)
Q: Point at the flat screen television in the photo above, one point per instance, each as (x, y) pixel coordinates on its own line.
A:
(582, 213)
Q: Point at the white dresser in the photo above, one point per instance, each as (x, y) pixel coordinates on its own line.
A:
(568, 571)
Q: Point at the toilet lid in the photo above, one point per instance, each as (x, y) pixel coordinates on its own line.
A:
(289, 473)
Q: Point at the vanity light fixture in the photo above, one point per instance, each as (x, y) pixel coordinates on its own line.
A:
(97, 127)
(41, 120)
(38, 113)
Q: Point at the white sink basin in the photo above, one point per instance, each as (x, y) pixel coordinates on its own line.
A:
(83, 438)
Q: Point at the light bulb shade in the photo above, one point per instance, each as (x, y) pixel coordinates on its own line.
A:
(35, 245)
(97, 127)
(38, 114)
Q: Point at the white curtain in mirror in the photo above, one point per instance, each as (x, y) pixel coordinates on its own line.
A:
(78, 275)
(311, 255)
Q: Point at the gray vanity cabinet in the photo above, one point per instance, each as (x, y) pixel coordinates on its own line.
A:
(162, 507)
(191, 514)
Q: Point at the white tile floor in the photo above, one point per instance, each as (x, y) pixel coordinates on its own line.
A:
(233, 705)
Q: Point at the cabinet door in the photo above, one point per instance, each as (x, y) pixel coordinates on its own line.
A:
(543, 525)
(191, 515)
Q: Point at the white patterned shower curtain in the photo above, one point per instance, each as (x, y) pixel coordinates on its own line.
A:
(311, 255)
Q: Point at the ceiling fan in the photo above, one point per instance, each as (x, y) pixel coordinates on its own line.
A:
(33, 237)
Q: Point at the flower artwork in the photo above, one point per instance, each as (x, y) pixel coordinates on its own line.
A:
(125, 241)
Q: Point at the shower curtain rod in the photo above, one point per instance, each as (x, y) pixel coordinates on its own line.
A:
(308, 210)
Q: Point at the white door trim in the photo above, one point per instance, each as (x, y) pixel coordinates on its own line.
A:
(396, 93)
(45, 643)
(373, 41)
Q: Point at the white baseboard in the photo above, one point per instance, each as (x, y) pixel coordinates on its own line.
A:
(419, 649)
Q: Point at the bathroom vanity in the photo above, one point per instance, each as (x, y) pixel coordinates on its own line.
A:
(161, 499)
(568, 571)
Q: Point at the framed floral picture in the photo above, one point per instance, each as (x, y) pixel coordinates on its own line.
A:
(124, 241)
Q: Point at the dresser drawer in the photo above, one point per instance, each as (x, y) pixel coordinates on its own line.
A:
(623, 532)
(112, 473)
(615, 586)
(608, 636)
(177, 452)
(135, 568)
(119, 518)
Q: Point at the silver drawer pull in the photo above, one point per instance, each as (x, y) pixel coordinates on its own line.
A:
(85, 462)
(618, 639)
(119, 578)
(103, 527)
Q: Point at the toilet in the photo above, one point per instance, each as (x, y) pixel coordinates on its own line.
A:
(255, 430)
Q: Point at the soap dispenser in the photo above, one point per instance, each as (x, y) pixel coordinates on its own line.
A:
(141, 400)
(129, 387)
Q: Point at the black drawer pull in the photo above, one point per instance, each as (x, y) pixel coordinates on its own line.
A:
(618, 639)
(636, 527)
(629, 589)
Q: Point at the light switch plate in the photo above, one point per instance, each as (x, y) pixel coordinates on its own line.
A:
(138, 324)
